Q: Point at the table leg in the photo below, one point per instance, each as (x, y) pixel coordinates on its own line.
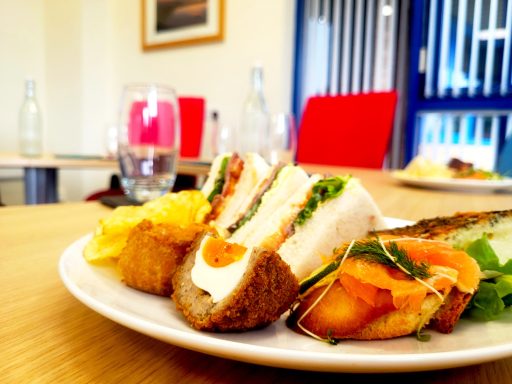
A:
(41, 185)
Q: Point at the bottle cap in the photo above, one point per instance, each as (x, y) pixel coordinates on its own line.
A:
(30, 86)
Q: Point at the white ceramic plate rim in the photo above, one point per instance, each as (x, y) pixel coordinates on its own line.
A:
(470, 185)
(98, 288)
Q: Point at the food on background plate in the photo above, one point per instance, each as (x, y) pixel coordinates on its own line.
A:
(109, 238)
(227, 287)
(385, 288)
(153, 253)
(464, 170)
(421, 167)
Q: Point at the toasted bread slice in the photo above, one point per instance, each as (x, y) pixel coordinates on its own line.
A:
(462, 228)
(339, 315)
(354, 298)
(459, 229)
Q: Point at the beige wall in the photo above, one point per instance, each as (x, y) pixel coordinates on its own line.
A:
(81, 52)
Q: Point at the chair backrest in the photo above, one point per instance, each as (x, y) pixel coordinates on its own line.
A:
(347, 130)
(192, 111)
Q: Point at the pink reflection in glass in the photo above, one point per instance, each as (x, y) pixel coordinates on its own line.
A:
(151, 123)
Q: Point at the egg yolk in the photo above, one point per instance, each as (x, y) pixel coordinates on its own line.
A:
(219, 253)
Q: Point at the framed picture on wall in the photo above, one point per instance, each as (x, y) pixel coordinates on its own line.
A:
(173, 23)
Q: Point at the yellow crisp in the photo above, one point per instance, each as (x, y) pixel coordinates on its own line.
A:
(182, 208)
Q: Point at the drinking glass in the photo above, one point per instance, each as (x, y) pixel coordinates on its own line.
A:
(225, 138)
(149, 140)
(282, 138)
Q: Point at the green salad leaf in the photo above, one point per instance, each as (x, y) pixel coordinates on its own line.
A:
(504, 285)
(486, 303)
(494, 294)
(219, 180)
(323, 190)
(482, 252)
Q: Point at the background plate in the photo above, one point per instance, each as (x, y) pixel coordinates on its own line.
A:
(466, 185)
(101, 289)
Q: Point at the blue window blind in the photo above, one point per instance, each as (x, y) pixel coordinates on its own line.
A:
(345, 46)
(460, 95)
(468, 48)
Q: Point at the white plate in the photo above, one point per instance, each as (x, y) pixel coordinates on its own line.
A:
(468, 185)
(100, 289)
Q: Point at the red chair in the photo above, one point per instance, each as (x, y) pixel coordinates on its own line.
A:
(192, 110)
(352, 130)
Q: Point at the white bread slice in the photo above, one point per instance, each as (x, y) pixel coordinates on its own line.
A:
(349, 216)
(255, 169)
(274, 229)
(290, 179)
(213, 173)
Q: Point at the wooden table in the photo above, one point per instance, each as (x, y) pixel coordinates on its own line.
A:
(47, 336)
(41, 173)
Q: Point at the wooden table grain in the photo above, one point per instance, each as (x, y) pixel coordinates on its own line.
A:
(47, 336)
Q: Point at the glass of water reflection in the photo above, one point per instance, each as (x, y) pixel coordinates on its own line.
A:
(148, 140)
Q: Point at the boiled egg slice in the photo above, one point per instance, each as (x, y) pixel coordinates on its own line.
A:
(219, 266)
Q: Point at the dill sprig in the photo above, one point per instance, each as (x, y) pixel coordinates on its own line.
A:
(373, 251)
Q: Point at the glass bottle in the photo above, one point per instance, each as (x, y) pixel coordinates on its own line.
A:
(209, 138)
(30, 134)
(255, 116)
